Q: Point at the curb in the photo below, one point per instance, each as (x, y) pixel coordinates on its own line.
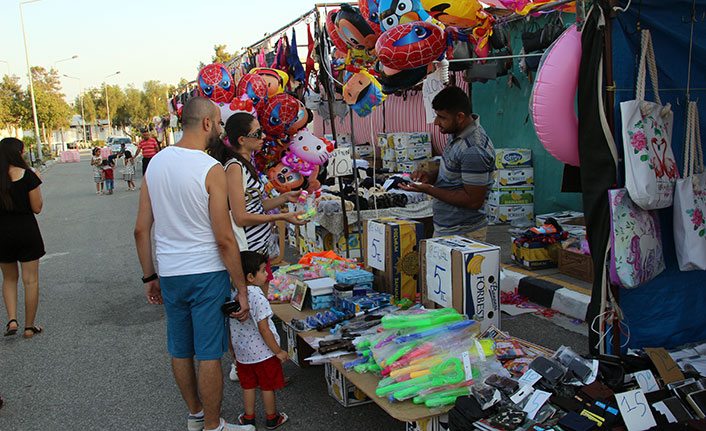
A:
(545, 292)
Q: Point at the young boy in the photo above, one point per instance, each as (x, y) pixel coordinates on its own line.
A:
(255, 343)
(108, 176)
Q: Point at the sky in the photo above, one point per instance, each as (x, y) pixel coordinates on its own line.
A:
(144, 40)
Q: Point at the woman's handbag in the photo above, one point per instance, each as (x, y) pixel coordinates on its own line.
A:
(635, 242)
(690, 200)
(650, 169)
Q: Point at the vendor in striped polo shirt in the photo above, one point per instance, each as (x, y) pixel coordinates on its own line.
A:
(148, 147)
(461, 185)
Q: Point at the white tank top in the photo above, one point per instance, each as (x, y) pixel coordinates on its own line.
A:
(185, 243)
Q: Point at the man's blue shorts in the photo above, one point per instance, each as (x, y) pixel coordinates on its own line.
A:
(195, 323)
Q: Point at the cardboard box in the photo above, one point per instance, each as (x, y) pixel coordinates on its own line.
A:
(390, 164)
(434, 423)
(513, 177)
(575, 264)
(511, 196)
(535, 255)
(343, 139)
(464, 274)
(382, 140)
(297, 348)
(339, 245)
(414, 152)
(408, 167)
(498, 214)
(416, 138)
(429, 165)
(342, 390)
(292, 235)
(508, 158)
(563, 217)
(388, 154)
(392, 250)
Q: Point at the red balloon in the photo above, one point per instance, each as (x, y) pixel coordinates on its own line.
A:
(255, 88)
(333, 32)
(281, 111)
(369, 10)
(410, 45)
(216, 83)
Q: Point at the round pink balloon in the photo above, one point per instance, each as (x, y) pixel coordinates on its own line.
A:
(553, 99)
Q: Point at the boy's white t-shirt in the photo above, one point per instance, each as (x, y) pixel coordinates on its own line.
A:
(248, 344)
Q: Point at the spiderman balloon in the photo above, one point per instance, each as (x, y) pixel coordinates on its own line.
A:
(411, 45)
(216, 83)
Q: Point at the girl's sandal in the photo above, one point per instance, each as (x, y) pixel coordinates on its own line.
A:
(9, 331)
(34, 330)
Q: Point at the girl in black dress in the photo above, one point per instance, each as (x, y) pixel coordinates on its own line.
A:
(20, 239)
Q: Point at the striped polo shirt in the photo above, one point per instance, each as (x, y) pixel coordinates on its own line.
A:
(149, 147)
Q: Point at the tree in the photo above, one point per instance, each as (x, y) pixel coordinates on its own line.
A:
(155, 98)
(131, 112)
(220, 55)
(89, 105)
(12, 110)
(52, 110)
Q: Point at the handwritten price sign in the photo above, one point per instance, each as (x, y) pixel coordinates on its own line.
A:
(439, 273)
(430, 88)
(376, 245)
(340, 162)
(635, 410)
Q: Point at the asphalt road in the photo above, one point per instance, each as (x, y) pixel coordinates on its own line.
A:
(101, 362)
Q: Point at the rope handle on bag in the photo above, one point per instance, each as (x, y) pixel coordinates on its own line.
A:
(647, 55)
(693, 152)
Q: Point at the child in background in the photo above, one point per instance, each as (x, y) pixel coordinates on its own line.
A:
(96, 162)
(255, 343)
(129, 169)
(108, 176)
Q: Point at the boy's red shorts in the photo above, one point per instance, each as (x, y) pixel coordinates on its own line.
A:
(267, 375)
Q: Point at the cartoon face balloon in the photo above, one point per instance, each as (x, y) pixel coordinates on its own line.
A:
(332, 31)
(216, 83)
(457, 13)
(353, 29)
(363, 93)
(284, 178)
(394, 12)
(370, 11)
(275, 79)
(280, 112)
(254, 88)
(310, 149)
(304, 117)
(411, 45)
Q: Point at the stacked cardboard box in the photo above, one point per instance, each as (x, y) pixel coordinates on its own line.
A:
(314, 238)
(402, 152)
(512, 194)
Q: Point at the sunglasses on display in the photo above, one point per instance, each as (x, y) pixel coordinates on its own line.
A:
(256, 134)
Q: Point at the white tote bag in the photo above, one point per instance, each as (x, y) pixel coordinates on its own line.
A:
(650, 169)
(690, 200)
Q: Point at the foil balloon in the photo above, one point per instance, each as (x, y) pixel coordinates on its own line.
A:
(354, 29)
(285, 179)
(254, 88)
(306, 151)
(394, 12)
(363, 93)
(411, 45)
(280, 112)
(304, 117)
(216, 83)
(370, 11)
(393, 81)
(275, 79)
(457, 13)
(333, 32)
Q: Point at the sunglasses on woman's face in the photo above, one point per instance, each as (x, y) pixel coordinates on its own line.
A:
(256, 134)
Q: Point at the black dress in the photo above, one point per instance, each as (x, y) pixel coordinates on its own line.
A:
(20, 239)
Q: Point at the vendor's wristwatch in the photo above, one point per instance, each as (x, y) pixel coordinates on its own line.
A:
(150, 278)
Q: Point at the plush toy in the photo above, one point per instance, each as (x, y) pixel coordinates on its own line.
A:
(457, 13)
(304, 117)
(370, 11)
(411, 45)
(281, 111)
(254, 88)
(285, 179)
(354, 29)
(307, 151)
(275, 79)
(332, 31)
(363, 93)
(216, 83)
(394, 12)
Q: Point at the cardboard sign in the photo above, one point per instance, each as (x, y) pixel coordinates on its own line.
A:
(635, 410)
(340, 162)
(376, 245)
(668, 369)
(530, 377)
(430, 88)
(646, 380)
(535, 403)
(438, 274)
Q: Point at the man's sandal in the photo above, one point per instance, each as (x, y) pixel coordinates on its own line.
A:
(34, 329)
(9, 331)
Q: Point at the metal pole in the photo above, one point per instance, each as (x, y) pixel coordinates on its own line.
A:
(83, 118)
(359, 223)
(38, 156)
(107, 108)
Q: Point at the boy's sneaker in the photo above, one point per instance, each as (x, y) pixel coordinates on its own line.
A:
(242, 420)
(225, 426)
(278, 420)
(233, 373)
(194, 423)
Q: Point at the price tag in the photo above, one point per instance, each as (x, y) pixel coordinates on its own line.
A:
(340, 162)
(467, 365)
(438, 274)
(635, 410)
(376, 245)
(647, 381)
(535, 403)
(530, 377)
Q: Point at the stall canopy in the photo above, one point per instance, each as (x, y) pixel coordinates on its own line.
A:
(669, 310)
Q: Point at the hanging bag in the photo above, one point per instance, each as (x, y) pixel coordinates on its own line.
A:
(690, 200)
(650, 169)
(635, 242)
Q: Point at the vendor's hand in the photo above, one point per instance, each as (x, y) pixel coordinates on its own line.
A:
(420, 177)
(292, 196)
(244, 313)
(154, 292)
(412, 187)
(283, 356)
(292, 218)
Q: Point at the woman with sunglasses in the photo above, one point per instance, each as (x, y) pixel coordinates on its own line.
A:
(246, 193)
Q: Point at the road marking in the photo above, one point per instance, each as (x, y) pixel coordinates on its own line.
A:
(50, 255)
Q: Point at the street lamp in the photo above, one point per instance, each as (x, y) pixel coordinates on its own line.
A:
(31, 86)
(64, 59)
(80, 98)
(107, 106)
(8, 66)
